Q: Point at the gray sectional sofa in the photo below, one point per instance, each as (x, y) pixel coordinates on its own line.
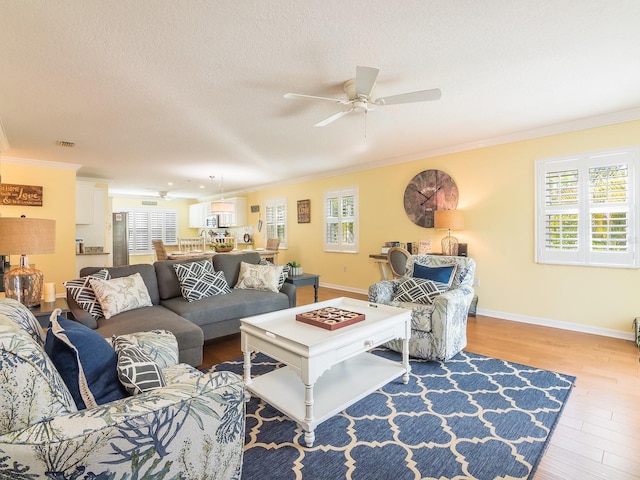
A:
(191, 322)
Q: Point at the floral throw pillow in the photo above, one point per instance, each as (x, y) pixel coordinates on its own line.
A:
(121, 294)
(259, 277)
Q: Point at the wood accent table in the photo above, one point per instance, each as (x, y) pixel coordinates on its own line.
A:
(383, 266)
(305, 279)
(326, 371)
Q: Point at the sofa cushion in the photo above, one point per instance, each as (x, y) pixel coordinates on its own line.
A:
(137, 372)
(259, 277)
(418, 290)
(82, 292)
(85, 361)
(229, 263)
(121, 294)
(198, 280)
(148, 273)
(442, 274)
(189, 336)
(235, 305)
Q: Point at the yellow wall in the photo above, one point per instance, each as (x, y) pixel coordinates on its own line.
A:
(59, 199)
(496, 186)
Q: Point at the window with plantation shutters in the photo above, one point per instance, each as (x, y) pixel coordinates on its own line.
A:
(276, 220)
(341, 220)
(586, 209)
(146, 225)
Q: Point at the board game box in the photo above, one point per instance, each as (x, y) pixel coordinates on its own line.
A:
(330, 318)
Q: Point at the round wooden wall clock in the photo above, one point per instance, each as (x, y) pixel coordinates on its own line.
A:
(427, 192)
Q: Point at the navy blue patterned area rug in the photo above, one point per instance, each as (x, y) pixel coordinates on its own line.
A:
(473, 417)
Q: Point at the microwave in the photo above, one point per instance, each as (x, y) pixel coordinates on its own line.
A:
(211, 221)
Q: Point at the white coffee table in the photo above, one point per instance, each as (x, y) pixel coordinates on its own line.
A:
(326, 371)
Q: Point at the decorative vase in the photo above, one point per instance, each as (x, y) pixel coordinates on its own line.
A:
(295, 271)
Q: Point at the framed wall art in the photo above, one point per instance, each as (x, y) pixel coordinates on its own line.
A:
(304, 211)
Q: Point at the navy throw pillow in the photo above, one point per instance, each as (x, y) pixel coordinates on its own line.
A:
(443, 274)
(86, 362)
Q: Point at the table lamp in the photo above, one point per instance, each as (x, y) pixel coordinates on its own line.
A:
(449, 220)
(22, 236)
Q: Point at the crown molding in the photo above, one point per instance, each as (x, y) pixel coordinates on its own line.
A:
(40, 163)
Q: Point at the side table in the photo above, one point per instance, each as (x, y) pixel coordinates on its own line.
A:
(43, 311)
(305, 279)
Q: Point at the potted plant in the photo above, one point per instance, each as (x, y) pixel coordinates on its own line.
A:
(295, 268)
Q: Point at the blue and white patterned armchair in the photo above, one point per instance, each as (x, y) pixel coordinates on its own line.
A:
(191, 428)
(438, 329)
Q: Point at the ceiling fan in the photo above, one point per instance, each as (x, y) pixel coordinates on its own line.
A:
(359, 98)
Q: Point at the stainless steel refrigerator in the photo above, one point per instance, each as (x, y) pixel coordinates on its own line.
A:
(120, 239)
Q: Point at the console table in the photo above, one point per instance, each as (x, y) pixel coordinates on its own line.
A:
(305, 279)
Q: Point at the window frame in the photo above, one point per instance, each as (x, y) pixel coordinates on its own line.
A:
(168, 237)
(341, 220)
(580, 240)
(276, 203)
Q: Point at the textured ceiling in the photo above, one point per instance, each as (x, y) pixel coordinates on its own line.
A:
(167, 91)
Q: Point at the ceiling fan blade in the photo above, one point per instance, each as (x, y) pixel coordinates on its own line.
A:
(333, 118)
(298, 95)
(411, 97)
(365, 80)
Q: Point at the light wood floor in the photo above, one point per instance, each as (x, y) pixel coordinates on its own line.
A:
(598, 436)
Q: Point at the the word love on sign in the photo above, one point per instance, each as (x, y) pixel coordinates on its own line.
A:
(26, 195)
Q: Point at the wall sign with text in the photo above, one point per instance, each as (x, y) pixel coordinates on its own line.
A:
(25, 195)
(304, 211)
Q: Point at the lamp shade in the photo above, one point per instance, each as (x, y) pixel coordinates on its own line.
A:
(448, 220)
(222, 207)
(25, 236)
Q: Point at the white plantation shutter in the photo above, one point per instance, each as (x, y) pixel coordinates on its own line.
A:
(276, 220)
(146, 225)
(586, 213)
(341, 220)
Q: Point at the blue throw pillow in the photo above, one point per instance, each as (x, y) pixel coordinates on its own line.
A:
(443, 274)
(85, 361)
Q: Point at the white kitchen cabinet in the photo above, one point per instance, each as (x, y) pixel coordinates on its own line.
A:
(198, 213)
(84, 203)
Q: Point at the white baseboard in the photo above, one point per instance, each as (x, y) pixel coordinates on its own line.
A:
(514, 317)
(545, 322)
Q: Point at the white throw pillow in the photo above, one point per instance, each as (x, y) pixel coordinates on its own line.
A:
(259, 277)
(121, 294)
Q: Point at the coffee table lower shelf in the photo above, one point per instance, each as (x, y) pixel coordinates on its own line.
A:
(341, 386)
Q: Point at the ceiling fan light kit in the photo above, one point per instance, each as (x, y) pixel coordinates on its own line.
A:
(359, 92)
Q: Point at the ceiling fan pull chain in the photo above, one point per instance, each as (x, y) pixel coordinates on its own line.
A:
(365, 123)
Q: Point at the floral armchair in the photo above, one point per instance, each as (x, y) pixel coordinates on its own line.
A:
(191, 428)
(439, 324)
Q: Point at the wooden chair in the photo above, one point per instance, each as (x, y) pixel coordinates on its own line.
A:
(397, 259)
(273, 244)
(272, 247)
(193, 243)
(158, 247)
